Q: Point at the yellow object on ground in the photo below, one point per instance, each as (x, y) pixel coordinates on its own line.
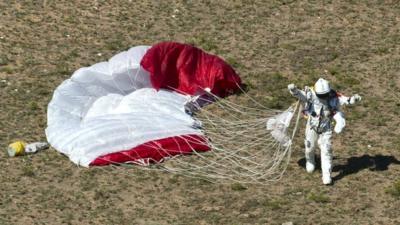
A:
(16, 148)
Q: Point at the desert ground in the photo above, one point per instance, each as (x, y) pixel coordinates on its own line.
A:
(354, 44)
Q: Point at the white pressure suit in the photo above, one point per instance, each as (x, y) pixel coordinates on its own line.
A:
(321, 110)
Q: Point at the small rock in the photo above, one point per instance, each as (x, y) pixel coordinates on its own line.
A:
(256, 213)
(244, 215)
(369, 146)
(211, 208)
(99, 54)
(207, 208)
(288, 223)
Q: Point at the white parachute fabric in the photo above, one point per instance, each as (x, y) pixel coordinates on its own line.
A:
(110, 107)
(279, 124)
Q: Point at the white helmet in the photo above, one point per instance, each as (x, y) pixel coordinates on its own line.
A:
(322, 88)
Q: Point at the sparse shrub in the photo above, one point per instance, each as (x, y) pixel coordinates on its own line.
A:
(33, 106)
(62, 69)
(334, 71)
(101, 195)
(238, 187)
(277, 85)
(308, 78)
(28, 171)
(250, 204)
(394, 190)
(204, 43)
(173, 180)
(379, 121)
(274, 204)
(114, 45)
(7, 69)
(288, 46)
(233, 62)
(349, 80)
(318, 197)
(3, 60)
(42, 90)
(382, 50)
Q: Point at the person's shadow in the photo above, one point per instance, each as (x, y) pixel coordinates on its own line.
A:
(355, 164)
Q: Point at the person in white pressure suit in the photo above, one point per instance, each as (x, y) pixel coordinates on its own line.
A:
(322, 107)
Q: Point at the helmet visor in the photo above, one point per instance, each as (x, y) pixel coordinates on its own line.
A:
(323, 96)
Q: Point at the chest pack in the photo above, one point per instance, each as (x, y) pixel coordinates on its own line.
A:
(316, 107)
(320, 112)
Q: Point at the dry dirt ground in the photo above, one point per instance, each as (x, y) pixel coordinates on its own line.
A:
(355, 44)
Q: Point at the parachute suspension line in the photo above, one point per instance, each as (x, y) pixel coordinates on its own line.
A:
(243, 150)
(132, 80)
(288, 150)
(299, 109)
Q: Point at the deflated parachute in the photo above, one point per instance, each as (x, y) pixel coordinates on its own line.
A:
(132, 107)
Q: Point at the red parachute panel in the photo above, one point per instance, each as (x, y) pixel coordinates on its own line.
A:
(188, 69)
(155, 151)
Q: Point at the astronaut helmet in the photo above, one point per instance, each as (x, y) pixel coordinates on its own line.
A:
(322, 88)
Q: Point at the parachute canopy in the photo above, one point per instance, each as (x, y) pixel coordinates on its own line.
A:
(131, 108)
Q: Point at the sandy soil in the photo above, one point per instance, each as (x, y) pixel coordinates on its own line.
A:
(355, 44)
